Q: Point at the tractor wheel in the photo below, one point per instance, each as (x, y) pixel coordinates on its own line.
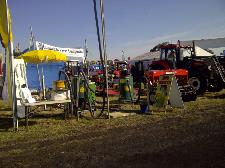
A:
(199, 84)
(152, 98)
(216, 87)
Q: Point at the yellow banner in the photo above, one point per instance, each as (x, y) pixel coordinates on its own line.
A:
(6, 37)
(4, 22)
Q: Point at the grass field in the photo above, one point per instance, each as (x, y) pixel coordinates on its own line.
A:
(193, 137)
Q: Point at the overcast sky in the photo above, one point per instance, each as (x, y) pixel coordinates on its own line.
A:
(134, 26)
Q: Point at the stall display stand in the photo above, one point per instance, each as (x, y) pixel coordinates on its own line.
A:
(167, 94)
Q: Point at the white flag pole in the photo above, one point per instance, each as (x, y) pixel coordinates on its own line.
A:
(12, 77)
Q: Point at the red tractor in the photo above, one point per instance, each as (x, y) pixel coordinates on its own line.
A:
(153, 74)
(151, 77)
(205, 73)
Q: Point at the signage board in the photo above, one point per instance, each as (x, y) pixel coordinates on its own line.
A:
(71, 53)
(162, 91)
(167, 89)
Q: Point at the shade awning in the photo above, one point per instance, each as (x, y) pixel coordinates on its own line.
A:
(43, 56)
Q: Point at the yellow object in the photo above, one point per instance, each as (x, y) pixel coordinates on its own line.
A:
(60, 84)
(126, 88)
(142, 86)
(115, 86)
(82, 89)
(122, 81)
(5, 24)
(43, 56)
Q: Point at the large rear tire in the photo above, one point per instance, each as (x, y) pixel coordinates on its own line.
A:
(216, 87)
(152, 98)
(199, 84)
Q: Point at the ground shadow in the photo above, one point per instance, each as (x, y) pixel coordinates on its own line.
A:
(5, 109)
(130, 111)
(219, 96)
(22, 122)
(6, 124)
(195, 153)
(58, 116)
(6, 118)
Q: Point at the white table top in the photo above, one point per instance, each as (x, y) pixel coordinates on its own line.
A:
(44, 102)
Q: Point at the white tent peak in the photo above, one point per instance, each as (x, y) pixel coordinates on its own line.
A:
(198, 51)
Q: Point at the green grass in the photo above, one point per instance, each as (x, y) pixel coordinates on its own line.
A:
(51, 125)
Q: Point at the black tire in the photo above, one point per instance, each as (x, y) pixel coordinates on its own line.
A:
(188, 98)
(199, 84)
(187, 93)
(216, 87)
(152, 98)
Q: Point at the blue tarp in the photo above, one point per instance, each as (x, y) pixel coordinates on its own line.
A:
(51, 73)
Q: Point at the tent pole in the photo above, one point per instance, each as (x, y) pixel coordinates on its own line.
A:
(39, 78)
(43, 86)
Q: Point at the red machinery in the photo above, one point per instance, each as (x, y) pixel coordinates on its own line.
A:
(187, 92)
(167, 66)
(205, 73)
(120, 66)
(180, 74)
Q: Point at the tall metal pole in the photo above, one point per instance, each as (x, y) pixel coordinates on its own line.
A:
(86, 50)
(31, 43)
(100, 48)
(31, 38)
(98, 33)
(86, 55)
(105, 54)
(123, 57)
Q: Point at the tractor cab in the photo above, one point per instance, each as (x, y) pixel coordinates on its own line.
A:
(169, 54)
(173, 54)
(169, 57)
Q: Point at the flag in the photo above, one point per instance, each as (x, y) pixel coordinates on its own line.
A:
(6, 38)
(7, 87)
(5, 24)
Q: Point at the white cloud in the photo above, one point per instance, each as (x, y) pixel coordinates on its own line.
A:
(157, 39)
(135, 48)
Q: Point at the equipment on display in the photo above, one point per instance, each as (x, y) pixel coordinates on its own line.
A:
(205, 73)
(82, 91)
(126, 88)
(181, 75)
(167, 93)
(60, 84)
